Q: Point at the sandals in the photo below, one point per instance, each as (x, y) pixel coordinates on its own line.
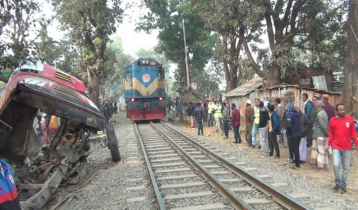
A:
(294, 167)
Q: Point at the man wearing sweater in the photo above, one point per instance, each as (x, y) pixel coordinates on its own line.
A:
(199, 116)
(225, 116)
(341, 132)
(235, 119)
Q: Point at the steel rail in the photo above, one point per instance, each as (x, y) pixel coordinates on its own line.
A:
(150, 171)
(279, 196)
(233, 199)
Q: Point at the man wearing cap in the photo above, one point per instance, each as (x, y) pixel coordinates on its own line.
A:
(249, 120)
(328, 107)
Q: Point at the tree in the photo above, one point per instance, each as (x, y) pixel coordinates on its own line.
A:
(224, 18)
(292, 28)
(90, 22)
(112, 79)
(17, 21)
(167, 16)
(350, 87)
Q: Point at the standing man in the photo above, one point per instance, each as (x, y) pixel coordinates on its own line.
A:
(328, 107)
(304, 126)
(255, 126)
(274, 131)
(211, 106)
(341, 132)
(235, 119)
(308, 105)
(263, 128)
(199, 116)
(217, 117)
(249, 120)
(294, 133)
(309, 132)
(281, 113)
(8, 193)
(319, 156)
(225, 116)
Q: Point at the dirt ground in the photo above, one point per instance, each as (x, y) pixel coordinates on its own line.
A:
(307, 173)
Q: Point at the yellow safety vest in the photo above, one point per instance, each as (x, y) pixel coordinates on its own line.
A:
(257, 115)
(210, 107)
(217, 113)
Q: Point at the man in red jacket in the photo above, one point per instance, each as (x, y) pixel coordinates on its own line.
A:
(235, 119)
(341, 132)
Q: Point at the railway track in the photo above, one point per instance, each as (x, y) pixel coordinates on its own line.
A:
(187, 174)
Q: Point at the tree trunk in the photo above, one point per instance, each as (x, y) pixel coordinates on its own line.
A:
(272, 77)
(350, 87)
(93, 89)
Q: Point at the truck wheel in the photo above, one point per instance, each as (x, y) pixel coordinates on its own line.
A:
(112, 143)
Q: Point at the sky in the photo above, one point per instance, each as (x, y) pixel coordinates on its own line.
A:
(132, 40)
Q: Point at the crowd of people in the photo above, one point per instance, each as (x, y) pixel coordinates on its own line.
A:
(320, 125)
(110, 107)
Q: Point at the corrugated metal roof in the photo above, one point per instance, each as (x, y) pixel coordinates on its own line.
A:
(246, 88)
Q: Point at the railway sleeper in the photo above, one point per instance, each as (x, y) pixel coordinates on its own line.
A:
(168, 165)
(187, 195)
(185, 185)
(177, 177)
(173, 170)
(203, 207)
(165, 160)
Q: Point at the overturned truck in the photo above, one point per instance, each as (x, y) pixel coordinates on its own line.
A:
(40, 169)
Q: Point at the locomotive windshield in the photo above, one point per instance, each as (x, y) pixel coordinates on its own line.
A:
(147, 62)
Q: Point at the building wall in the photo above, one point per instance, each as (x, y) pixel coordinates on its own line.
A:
(270, 95)
(304, 79)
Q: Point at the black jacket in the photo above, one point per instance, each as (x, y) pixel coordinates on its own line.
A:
(198, 113)
(293, 124)
(264, 117)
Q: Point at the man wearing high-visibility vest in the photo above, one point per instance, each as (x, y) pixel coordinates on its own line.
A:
(255, 126)
(211, 106)
(217, 116)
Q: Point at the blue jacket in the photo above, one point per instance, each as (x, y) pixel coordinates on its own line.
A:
(8, 193)
(308, 109)
(293, 125)
(275, 123)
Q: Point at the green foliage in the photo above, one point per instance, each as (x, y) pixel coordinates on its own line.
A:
(19, 29)
(112, 79)
(89, 24)
(167, 16)
(300, 33)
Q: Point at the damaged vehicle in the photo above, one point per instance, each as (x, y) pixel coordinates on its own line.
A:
(39, 168)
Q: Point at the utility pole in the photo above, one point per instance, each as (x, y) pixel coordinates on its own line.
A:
(186, 57)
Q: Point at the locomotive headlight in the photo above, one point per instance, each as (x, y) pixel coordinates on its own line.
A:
(132, 100)
(160, 98)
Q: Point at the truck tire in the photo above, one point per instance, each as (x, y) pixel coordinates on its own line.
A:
(113, 143)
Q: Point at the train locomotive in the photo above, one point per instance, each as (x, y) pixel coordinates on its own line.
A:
(145, 95)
